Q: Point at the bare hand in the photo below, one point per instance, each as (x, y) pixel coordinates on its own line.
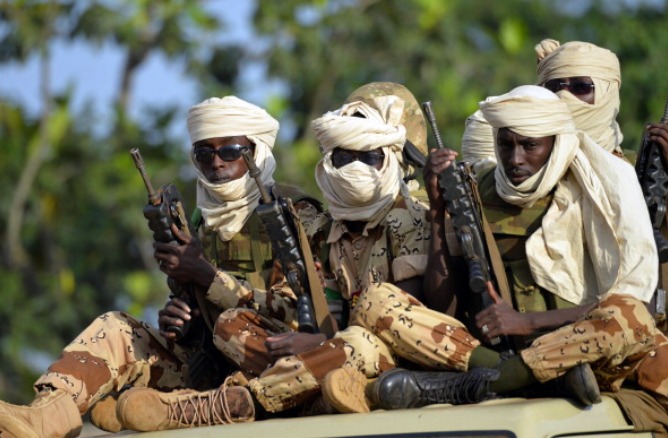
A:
(501, 319)
(658, 133)
(289, 344)
(175, 313)
(437, 161)
(186, 263)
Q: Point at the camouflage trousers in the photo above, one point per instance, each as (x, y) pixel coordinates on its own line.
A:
(294, 380)
(113, 351)
(619, 338)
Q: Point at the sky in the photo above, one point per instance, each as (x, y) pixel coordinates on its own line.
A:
(94, 72)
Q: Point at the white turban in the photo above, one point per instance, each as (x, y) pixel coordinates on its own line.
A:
(358, 192)
(577, 58)
(226, 207)
(478, 143)
(595, 237)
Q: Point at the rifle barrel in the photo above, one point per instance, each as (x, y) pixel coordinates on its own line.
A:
(153, 198)
(431, 118)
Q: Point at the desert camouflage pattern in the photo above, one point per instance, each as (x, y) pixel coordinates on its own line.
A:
(294, 380)
(113, 351)
(413, 331)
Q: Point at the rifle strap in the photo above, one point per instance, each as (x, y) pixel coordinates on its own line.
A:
(326, 322)
(493, 249)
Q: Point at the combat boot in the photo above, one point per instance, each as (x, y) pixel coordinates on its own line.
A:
(402, 389)
(103, 414)
(345, 389)
(145, 409)
(53, 414)
(578, 383)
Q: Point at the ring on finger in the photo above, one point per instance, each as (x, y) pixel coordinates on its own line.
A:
(484, 329)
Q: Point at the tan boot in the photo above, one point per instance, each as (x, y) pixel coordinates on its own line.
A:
(53, 414)
(145, 409)
(103, 414)
(345, 389)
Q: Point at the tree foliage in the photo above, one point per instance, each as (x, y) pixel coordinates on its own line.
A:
(75, 243)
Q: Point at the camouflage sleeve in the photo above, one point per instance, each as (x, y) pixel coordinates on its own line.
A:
(228, 292)
(410, 234)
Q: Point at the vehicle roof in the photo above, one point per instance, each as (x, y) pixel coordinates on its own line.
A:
(512, 417)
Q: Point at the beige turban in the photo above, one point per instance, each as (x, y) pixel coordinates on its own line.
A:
(356, 191)
(478, 143)
(596, 237)
(577, 58)
(226, 207)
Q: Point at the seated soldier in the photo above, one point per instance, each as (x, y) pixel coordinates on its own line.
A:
(581, 247)
(117, 351)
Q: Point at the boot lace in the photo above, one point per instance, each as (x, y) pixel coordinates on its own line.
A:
(203, 408)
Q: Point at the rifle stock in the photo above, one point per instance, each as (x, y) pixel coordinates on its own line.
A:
(455, 186)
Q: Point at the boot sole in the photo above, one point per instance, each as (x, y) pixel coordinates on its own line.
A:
(344, 389)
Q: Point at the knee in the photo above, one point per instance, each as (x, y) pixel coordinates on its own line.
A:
(629, 314)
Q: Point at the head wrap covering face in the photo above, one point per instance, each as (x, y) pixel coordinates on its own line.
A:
(227, 206)
(537, 112)
(575, 59)
(595, 237)
(358, 192)
(412, 119)
(478, 143)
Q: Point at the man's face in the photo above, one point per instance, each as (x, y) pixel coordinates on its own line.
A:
(581, 87)
(521, 157)
(216, 169)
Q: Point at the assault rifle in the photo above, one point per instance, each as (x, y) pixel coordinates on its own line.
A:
(455, 183)
(276, 216)
(165, 208)
(653, 178)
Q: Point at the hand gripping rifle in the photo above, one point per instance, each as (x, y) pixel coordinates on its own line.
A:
(653, 179)
(277, 219)
(455, 183)
(165, 208)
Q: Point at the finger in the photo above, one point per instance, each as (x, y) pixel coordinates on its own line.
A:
(180, 235)
(181, 304)
(492, 293)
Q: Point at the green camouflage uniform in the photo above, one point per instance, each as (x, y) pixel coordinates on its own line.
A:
(619, 337)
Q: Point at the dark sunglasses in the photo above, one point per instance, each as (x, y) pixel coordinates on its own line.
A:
(577, 88)
(226, 153)
(341, 157)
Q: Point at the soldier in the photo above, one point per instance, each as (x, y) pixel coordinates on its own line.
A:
(228, 269)
(583, 248)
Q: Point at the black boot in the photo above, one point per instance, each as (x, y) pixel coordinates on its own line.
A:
(401, 389)
(578, 383)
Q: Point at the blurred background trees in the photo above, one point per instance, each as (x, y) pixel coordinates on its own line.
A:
(74, 241)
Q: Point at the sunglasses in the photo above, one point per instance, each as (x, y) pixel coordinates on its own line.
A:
(577, 88)
(226, 153)
(341, 157)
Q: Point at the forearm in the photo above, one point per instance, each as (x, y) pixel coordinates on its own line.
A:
(439, 281)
